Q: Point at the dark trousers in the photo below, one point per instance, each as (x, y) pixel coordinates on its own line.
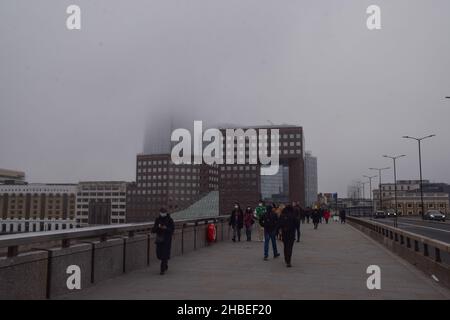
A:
(316, 224)
(248, 232)
(288, 241)
(236, 232)
(164, 265)
(297, 230)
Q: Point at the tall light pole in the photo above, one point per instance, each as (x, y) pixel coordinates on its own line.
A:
(394, 158)
(419, 140)
(380, 197)
(370, 186)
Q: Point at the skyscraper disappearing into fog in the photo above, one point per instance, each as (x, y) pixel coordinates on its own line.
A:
(311, 185)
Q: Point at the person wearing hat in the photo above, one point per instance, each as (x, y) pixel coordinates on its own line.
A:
(164, 228)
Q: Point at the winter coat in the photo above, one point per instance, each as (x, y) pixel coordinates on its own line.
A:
(327, 214)
(260, 211)
(248, 219)
(287, 223)
(237, 219)
(270, 221)
(163, 236)
(316, 216)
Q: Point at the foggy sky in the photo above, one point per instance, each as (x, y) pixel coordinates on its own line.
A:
(76, 105)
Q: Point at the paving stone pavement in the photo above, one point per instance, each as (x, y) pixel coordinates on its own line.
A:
(328, 263)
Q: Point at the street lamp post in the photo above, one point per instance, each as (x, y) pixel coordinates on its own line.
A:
(419, 140)
(370, 186)
(394, 158)
(380, 197)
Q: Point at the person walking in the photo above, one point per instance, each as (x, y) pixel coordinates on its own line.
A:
(342, 215)
(278, 211)
(326, 215)
(248, 222)
(316, 218)
(164, 228)
(287, 225)
(260, 211)
(237, 221)
(298, 213)
(270, 223)
(308, 214)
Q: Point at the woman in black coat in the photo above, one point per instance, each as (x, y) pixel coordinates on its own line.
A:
(164, 228)
(237, 221)
(287, 224)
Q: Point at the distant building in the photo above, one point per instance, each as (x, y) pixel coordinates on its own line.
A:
(276, 187)
(311, 180)
(101, 202)
(161, 183)
(11, 177)
(435, 197)
(37, 207)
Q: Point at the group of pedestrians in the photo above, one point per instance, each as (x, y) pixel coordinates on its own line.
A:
(271, 221)
(277, 222)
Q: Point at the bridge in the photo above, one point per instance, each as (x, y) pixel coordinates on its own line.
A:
(118, 262)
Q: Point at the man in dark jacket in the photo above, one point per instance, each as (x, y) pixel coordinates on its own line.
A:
(164, 228)
(287, 224)
(316, 217)
(270, 224)
(237, 221)
(342, 215)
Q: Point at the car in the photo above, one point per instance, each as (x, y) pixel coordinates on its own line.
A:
(434, 215)
(379, 214)
(391, 214)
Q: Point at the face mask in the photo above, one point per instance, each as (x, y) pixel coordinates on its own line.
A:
(260, 204)
(162, 214)
(235, 207)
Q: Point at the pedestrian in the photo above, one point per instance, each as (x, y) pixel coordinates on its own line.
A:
(260, 211)
(316, 218)
(308, 214)
(237, 221)
(298, 213)
(287, 225)
(278, 211)
(164, 228)
(342, 215)
(270, 223)
(326, 215)
(248, 222)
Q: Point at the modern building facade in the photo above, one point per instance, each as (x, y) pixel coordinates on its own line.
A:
(161, 183)
(41, 204)
(311, 179)
(101, 202)
(11, 177)
(242, 182)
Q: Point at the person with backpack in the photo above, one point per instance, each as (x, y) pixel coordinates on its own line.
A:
(164, 228)
(270, 223)
(248, 222)
(237, 221)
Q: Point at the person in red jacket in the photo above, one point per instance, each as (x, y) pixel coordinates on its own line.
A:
(248, 222)
(326, 215)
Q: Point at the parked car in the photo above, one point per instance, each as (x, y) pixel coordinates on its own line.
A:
(434, 215)
(379, 214)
